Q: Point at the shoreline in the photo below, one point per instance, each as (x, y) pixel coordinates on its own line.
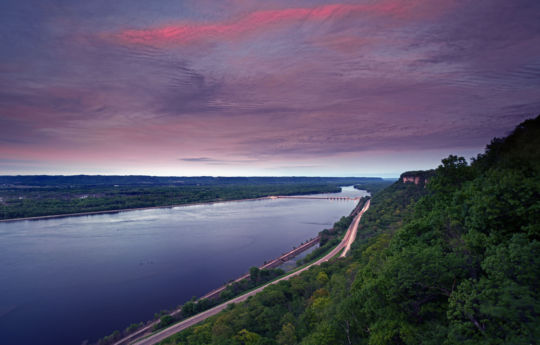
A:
(92, 213)
(268, 265)
(148, 325)
(160, 335)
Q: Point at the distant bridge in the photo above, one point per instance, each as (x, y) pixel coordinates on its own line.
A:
(314, 197)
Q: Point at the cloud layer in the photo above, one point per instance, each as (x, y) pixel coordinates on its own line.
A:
(236, 87)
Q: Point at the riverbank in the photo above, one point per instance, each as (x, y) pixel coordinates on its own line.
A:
(345, 242)
(154, 338)
(149, 326)
(91, 213)
(271, 264)
(33, 202)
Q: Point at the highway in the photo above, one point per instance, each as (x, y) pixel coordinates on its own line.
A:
(354, 227)
(344, 245)
(313, 197)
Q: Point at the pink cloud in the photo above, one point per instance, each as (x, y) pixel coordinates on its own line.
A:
(189, 32)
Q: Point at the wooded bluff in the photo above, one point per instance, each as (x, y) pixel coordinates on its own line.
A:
(452, 261)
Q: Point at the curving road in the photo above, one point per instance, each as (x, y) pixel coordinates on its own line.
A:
(353, 229)
(344, 245)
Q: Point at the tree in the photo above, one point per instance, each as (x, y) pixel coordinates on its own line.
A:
(287, 335)
(246, 337)
(450, 175)
(254, 274)
(502, 306)
(164, 321)
(322, 277)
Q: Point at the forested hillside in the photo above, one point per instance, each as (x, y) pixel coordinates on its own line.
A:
(455, 261)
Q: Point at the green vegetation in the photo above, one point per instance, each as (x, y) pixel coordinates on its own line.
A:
(257, 278)
(374, 186)
(164, 321)
(455, 262)
(330, 238)
(32, 196)
(390, 208)
(317, 253)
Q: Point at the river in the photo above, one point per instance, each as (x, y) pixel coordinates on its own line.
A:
(67, 280)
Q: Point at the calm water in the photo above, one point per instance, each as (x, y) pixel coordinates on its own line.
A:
(66, 280)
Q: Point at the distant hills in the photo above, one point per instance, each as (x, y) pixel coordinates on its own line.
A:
(133, 180)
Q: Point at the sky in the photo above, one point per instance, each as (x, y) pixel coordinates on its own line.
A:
(261, 88)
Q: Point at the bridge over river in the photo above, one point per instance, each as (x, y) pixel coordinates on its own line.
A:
(314, 197)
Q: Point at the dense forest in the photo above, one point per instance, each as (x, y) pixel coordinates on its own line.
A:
(455, 260)
(31, 196)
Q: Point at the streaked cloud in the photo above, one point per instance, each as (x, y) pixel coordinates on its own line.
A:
(258, 87)
(250, 23)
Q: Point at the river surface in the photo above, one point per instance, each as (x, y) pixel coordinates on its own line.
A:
(67, 280)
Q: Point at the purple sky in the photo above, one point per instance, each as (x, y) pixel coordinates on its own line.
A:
(365, 88)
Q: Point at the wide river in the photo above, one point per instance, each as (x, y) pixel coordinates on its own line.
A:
(67, 280)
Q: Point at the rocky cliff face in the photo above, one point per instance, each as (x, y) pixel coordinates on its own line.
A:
(417, 177)
(410, 179)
